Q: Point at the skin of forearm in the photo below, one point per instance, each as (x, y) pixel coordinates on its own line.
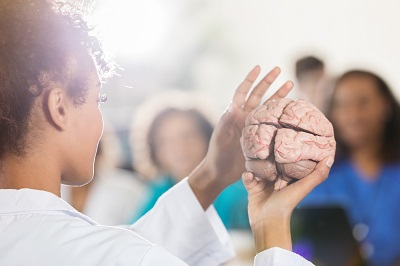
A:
(272, 232)
(205, 184)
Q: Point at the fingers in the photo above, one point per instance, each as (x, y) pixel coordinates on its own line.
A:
(282, 92)
(256, 185)
(303, 187)
(249, 181)
(258, 92)
(280, 184)
(239, 98)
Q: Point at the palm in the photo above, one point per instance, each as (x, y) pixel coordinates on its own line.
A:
(263, 198)
(268, 198)
(225, 150)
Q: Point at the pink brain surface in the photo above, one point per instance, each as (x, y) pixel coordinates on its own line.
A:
(286, 138)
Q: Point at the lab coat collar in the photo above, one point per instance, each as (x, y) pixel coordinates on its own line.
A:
(35, 201)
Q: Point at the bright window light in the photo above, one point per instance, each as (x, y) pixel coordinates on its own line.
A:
(132, 28)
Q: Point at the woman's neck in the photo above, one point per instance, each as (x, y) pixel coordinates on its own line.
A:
(368, 160)
(30, 172)
(79, 196)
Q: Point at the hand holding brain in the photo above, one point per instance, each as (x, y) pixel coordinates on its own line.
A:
(286, 138)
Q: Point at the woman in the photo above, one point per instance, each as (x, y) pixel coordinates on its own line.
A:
(50, 125)
(177, 141)
(366, 177)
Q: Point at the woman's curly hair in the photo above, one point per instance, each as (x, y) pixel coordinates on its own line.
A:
(42, 41)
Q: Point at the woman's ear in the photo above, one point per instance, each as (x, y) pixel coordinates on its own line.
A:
(57, 105)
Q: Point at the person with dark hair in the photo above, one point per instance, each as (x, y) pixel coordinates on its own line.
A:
(50, 125)
(177, 140)
(312, 81)
(309, 65)
(366, 177)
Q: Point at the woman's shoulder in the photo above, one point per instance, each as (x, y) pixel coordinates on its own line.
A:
(393, 170)
(340, 166)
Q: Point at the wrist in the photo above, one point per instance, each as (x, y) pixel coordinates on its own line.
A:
(205, 184)
(272, 231)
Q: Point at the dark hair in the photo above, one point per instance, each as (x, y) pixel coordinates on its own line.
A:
(306, 64)
(41, 42)
(391, 140)
(203, 124)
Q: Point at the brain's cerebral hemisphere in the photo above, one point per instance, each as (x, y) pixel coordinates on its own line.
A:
(286, 138)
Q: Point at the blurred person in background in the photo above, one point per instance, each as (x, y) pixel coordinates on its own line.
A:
(114, 193)
(313, 82)
(365, 179)
(177, 141)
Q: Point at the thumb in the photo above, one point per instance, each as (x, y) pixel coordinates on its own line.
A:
(304, 186)
(321, 172)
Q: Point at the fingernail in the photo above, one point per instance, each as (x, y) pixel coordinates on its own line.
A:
(330, 161)
(280, 184)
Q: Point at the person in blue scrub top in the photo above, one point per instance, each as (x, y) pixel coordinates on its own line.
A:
(365, 179)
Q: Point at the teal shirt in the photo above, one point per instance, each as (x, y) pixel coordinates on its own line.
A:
(231, 204)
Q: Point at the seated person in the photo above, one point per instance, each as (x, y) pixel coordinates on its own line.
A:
(365, 179)
(313, 81)
(177, 141)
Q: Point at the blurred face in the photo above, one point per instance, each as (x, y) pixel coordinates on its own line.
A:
(180, 145)
(359, 112)
(87, 124)
(308, 81)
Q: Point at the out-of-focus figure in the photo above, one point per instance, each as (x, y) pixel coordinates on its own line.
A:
(365, 179)
(114, 193)
(313, 82)
(176, 141)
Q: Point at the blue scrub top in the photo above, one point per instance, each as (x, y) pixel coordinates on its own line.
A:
(373, 203)
(231, 204)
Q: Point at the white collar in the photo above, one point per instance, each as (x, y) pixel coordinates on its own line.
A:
(27, 200)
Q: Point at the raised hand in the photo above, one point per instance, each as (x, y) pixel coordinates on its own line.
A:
(224, 162)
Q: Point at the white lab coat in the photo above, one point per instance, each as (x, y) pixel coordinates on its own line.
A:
(39, 228)
(113, 197)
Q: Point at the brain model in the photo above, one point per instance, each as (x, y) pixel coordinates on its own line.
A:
(286, 138)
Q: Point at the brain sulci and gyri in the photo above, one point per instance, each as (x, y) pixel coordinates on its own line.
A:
(286, 138)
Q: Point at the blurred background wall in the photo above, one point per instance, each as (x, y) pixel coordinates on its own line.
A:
(208, 46)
